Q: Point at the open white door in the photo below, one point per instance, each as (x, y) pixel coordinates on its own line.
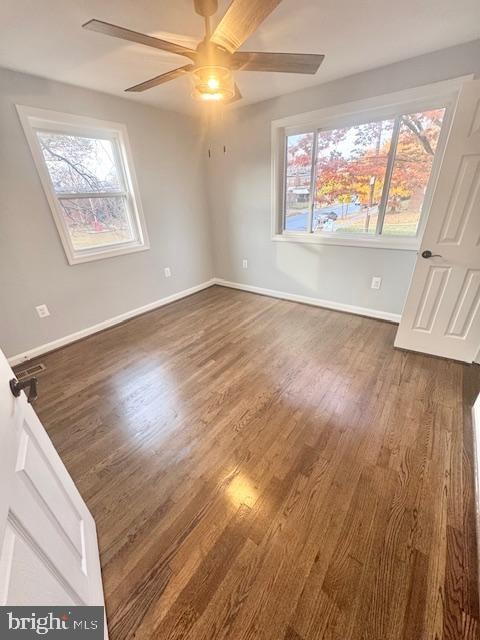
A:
(48, 542)
(442, 311)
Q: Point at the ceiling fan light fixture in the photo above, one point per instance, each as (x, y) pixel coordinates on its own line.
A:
(211, 97)
(213, 83)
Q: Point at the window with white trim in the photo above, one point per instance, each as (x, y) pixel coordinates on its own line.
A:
(87, 174)
(359, 177)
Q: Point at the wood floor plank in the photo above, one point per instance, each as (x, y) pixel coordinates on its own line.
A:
(264, 470)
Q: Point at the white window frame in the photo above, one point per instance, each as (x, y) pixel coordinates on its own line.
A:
(33, 120)
(439, 95)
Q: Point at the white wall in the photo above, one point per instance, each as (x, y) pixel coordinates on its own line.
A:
(167, 154)
(240, 194)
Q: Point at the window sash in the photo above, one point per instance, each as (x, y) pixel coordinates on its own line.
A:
(117, 156)
(134, 228)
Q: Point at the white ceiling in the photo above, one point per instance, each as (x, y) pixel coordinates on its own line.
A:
(45, 38)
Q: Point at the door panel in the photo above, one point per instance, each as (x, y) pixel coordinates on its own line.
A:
(48, 542)
(431, 298)
(462, 201)
(442, 311)
(25, 572)
(37, 471)
(466, 307)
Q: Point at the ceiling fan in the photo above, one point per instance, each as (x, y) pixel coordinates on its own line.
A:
(216, 56)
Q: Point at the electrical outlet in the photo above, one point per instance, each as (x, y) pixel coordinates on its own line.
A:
(42, 311)
(167, 271)
(245, 264)
(376, 282)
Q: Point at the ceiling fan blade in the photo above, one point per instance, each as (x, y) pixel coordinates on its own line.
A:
(281, 62)
(165, 77)
(141, 38)
(240, 21)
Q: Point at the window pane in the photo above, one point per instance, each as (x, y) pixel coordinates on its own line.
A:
(417, 143)
(350, 174)
(77, 164)
(95, 222)
(297, 187)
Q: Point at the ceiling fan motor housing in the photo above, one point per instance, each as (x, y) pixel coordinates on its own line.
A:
(209, 53)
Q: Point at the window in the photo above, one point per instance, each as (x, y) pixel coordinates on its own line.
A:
(360, 176)
(368, 178)
(87, 174)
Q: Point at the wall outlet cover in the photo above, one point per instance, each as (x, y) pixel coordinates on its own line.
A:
(167, 271)
(376, 282)
(245, 264)
(42, 311)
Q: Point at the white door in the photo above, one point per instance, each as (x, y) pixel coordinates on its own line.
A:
(442, 311)
(48, 542)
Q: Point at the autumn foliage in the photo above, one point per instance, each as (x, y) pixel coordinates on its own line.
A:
(351, 162)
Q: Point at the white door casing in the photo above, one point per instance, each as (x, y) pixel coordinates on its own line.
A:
(48, 543)
(442, 310)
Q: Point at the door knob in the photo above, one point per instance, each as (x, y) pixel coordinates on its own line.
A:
(428, 254)
(17, 386)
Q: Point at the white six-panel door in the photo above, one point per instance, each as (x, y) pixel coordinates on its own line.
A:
(442, 311)
(48, 542)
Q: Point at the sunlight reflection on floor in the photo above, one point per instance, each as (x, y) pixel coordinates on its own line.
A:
(242, 491)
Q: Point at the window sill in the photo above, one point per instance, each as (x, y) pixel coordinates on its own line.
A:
(90, 256)
(399, 244)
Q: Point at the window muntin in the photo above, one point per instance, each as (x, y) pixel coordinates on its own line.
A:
(369, 179)
(80, 164)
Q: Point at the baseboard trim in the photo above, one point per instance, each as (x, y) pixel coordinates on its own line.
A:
(272, 293)
(111, 322)
(316, 302)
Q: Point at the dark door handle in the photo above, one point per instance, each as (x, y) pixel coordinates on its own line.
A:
(17, 386)
(428, 254)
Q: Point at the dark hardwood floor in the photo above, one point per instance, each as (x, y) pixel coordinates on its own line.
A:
(260, 469)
